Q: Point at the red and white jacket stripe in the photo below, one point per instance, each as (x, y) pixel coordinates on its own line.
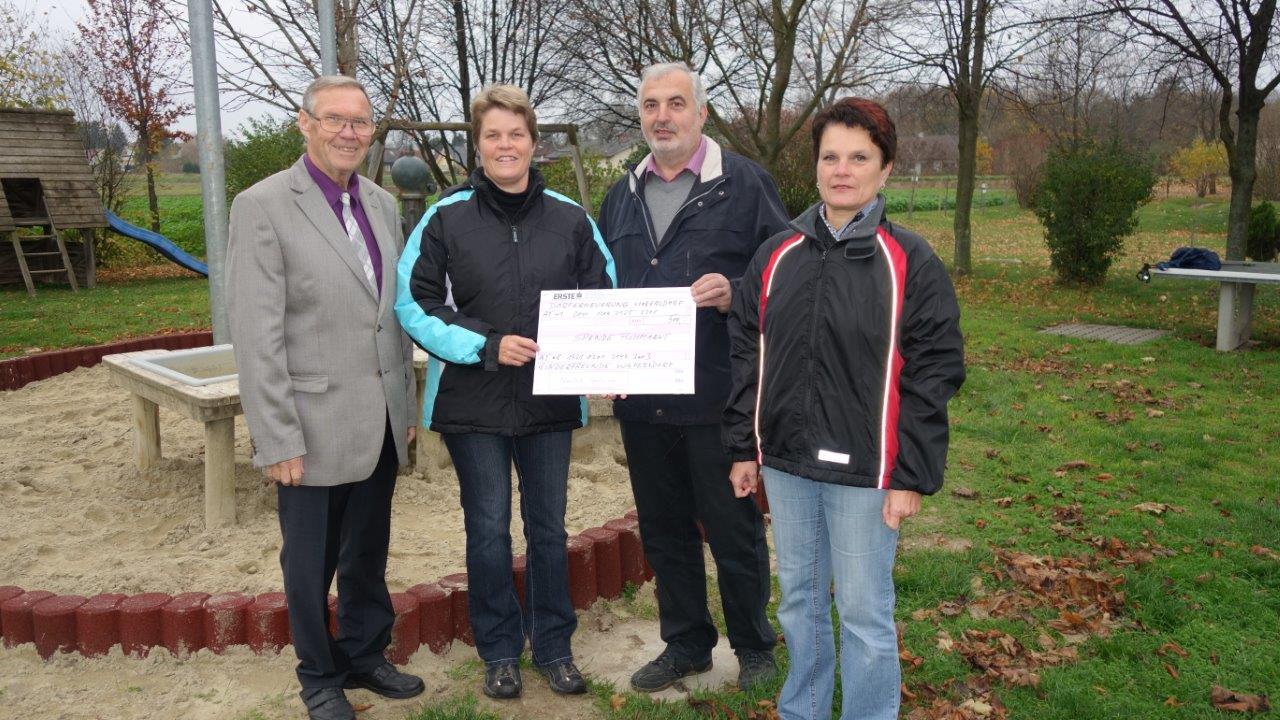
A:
(845, 352)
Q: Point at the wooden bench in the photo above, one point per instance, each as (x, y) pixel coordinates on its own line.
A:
(1235, 295)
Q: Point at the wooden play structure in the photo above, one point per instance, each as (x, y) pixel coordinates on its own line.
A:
(46, 188)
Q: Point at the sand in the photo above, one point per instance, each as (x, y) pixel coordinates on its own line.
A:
(610, 644)
(76, 515)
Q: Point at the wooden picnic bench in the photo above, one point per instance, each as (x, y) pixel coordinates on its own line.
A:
(1236, 281)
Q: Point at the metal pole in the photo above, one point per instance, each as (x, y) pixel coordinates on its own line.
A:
(213, 182)
(328, 37)
(577, 168)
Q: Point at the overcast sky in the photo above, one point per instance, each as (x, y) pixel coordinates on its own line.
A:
(62, 16)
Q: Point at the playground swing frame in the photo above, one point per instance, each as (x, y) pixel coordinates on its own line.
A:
(568, 129)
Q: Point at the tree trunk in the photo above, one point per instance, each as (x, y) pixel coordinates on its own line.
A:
(1243, 170)
(152, 201)
(965, 177)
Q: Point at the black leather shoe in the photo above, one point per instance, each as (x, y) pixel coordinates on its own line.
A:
(387, 681)
(755, 667)
(564, 677)
(327, 704)
(502, 681)
(664, 671)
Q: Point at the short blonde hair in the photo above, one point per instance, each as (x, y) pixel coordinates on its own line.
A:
(507, 97)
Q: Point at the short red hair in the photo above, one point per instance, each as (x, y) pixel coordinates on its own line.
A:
(859, 112)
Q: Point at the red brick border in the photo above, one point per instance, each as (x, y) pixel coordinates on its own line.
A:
(19, 371)
(433, 614)
(192, 620)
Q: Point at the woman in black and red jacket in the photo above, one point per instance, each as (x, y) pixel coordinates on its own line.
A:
(846, 347)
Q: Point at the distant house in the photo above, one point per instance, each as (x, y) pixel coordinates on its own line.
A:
(613, 150)
(616, 150)
(929, 154)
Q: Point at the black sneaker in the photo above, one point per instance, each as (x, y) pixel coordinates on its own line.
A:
(386, 681)
(327, 704)
(502, 681)
(755, 667)
(564, 677)
(664, 671)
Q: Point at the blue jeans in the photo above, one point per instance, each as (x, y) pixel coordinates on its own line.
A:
(822, 532)
(499, 624)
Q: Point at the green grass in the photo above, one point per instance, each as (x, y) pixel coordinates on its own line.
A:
(1032, 403)
(181, 220)
(58, 318)
(458, 708)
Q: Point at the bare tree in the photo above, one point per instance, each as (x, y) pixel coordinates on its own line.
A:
(1066, 84)
(421, 61)
(101, 130)
(1236, 42)
(768, 65)
(965, 45)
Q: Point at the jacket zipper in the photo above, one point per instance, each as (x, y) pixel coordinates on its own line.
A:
(813, 344)
(648, 222)
(515, 375)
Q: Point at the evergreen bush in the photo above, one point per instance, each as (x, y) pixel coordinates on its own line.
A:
(1088, 200)
(1264, 233)
(269, 145)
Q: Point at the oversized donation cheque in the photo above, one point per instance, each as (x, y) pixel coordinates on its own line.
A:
(634, 341)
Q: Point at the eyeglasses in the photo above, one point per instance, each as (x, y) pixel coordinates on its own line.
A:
(334, 124)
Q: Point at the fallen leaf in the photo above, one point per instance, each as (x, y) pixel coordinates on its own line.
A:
(1266, 552)
(361, 707)
(979, 523)
(944, 642)
(964, 493)
(1154, 413)
(1174, 648)
(1172, 701)
(1173, 672)
(1154, 508)
(767, 711)
(1224, 699)
(1075, 465)
(616, 702)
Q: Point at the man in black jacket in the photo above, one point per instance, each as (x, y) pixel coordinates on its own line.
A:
(691, 214)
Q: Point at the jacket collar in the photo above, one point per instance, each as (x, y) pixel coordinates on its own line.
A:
(310, 198)
(712, 165)
(860, 236)
(484, 189)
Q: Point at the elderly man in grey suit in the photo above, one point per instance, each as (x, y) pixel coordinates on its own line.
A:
(327, 388)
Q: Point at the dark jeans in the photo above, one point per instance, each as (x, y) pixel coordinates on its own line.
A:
(499, 624)
(343, 529)
(680, 475)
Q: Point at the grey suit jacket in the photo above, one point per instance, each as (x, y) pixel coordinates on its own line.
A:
(322, 360)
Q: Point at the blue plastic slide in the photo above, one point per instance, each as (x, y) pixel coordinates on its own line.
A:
(160, 243)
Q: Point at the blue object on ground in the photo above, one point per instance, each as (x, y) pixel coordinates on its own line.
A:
(160, 243)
